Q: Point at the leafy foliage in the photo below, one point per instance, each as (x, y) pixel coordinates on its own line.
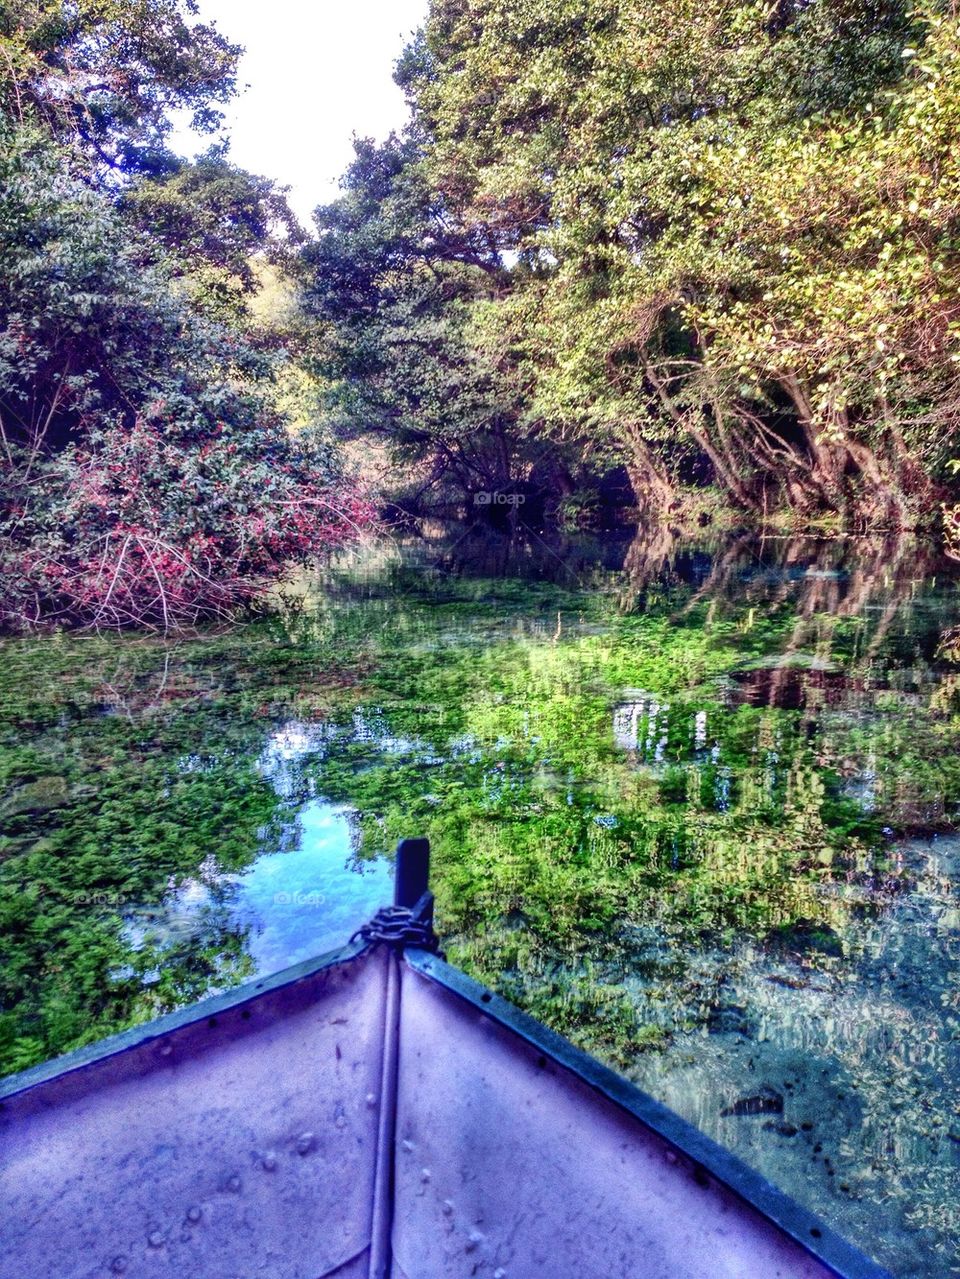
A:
(726, 234)
(148, 477)
(402, 294)
(150, 471)
(211, 219)
(106, 73)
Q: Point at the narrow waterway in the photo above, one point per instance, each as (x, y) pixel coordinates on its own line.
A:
(694, 805)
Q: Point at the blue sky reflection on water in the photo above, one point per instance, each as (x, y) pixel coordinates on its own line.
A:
(302, 902)
(299, 899)
(313, 893)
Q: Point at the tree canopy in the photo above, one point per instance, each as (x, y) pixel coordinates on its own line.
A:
(724, 237)
(698, 258)
(107, 73)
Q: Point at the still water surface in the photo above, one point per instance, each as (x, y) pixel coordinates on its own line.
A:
(693, 805)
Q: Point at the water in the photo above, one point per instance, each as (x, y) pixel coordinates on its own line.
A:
(694, 805)
(306, 898)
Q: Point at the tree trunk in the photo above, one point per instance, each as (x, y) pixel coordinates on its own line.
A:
(652, 486)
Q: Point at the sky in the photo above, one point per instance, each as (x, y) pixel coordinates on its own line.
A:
(317, 72)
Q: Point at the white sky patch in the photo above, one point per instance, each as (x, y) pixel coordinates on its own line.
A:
(317, 73)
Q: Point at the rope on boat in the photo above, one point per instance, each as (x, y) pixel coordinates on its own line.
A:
(399, 926)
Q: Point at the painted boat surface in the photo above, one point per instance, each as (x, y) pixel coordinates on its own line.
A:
(375, 1113)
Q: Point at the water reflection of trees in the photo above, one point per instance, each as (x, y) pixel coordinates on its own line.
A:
(815, 578)
(839, 576)
(627, 812)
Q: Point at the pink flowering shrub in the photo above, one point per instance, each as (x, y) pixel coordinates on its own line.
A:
(139, 526)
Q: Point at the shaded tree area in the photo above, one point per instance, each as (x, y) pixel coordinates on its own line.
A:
(715, 245)
(150, 472)
(403, 296)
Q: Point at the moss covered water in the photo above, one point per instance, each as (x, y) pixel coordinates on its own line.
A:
(694, 806)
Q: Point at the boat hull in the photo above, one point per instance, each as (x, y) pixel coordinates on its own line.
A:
(378, 1114)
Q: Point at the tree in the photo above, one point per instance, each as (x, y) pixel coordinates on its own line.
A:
(150, 473)
(107, 73)
(735, 226)
(147, 475)
(405, 296)
(216, 221)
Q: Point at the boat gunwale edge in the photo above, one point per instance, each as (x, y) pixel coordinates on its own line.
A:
(158, 1027)
(828, 1247)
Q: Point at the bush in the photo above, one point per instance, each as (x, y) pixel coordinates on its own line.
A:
(148, 477)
